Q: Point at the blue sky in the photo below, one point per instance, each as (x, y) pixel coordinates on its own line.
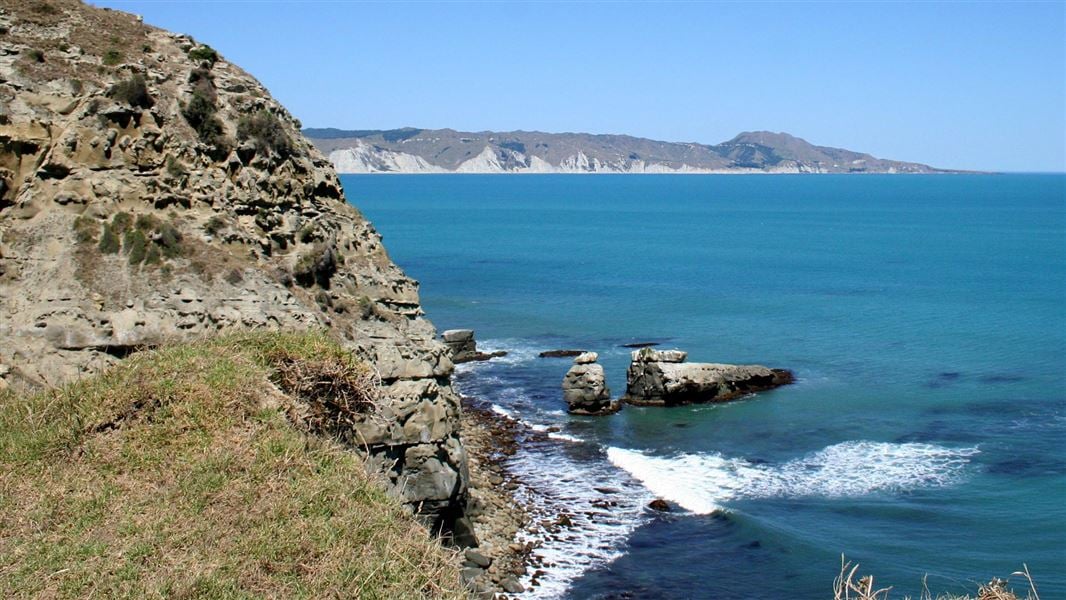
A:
(972, 85)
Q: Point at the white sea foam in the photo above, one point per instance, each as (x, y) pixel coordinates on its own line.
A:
(552, 484)
(700, 482)
(518, 351)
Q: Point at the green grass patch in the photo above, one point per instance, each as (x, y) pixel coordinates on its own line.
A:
(180, 473)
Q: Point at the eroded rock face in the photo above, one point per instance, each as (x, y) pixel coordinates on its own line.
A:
(662, 378)
(585, 387)
(151, 191)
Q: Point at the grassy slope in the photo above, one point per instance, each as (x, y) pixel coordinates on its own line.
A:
(180, 475)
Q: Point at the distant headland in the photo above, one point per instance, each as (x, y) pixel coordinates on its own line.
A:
(412, 150)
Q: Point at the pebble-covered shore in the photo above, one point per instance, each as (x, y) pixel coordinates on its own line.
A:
(496, 566)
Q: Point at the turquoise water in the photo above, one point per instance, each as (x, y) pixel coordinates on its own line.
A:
(925, 318)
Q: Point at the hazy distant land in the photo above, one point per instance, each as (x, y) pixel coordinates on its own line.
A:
(411, 150)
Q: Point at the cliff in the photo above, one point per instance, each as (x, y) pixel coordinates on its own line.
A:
(150, 191)
(411, 150)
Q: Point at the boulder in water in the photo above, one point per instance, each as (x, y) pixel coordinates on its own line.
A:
(585, 388)
(463, 348)
(663, 378)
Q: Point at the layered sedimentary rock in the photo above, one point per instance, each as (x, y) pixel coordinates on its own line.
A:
(585, 387)
(663, 378)
(150, 191)
(462, 347)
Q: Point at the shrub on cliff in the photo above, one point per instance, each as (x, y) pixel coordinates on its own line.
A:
(204, 53)
(266, 131)
(182, 473)
(200, 112)
(132, 91)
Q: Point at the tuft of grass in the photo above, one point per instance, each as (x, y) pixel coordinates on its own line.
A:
(136, 246)
(109, 240)
(847, 587)
(85, 228)
(112, 57)
(214, 225)
(180, 473)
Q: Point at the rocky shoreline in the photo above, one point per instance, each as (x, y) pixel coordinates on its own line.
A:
(493, 507)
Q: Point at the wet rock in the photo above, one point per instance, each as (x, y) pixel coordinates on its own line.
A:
(463, 348)
(662, 378)
(659, 505)
(585, 388)
(560, 353)
(640, 345)
(511, 585)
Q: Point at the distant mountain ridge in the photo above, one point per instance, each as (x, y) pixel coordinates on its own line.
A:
(412, 150)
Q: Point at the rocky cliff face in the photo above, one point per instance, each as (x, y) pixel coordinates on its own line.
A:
(150, 190)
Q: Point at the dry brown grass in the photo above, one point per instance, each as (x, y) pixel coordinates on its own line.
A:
(179, 475)
(65, 24)
(847, 587)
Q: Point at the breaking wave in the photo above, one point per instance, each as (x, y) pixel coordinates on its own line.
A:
(701, 482)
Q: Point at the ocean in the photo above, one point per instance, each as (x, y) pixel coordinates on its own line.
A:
(924, 318)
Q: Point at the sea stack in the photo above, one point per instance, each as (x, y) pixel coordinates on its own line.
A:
(585, 388)
(663, 378)
(462, 347)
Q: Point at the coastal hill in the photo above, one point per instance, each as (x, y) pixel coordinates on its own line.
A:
(410, 150)
(153, 193)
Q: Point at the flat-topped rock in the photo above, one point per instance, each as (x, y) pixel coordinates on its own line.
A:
(462, 347)
(670, 381)
(586, 358)
(560, 353)
(452, 336)
(659, 356)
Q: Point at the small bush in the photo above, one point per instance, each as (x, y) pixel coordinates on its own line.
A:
(109, 242)
(169, 240)
(153, 256)
(35, 55)
(132, 91)
(266, 131)
(316, 265)
(234, 277)
(84, 229)
(175, 168)
(44, 8)
(204, 84)
(136, 246)
(214, 225)
(121, 222)
(204, 53)
(200, 114)
(147, 223)
(112, 57)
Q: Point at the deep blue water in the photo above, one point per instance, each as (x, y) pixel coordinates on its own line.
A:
(925, 317)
